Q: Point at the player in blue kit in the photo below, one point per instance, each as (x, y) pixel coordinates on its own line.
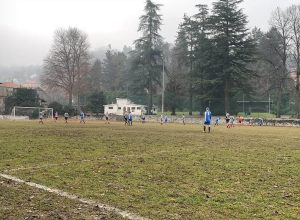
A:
(82, 116)
(207, 120)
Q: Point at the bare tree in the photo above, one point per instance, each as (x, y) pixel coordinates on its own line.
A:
(67, 62)
(293, 13)
(280, 22)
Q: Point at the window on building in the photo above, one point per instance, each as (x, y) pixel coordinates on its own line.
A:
(110, 107)
(138, 108)
(133, 109)
(119, 108)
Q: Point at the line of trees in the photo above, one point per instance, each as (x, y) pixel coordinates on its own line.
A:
(278, 52)
(216, 50)
(215, 61)
(22, 97)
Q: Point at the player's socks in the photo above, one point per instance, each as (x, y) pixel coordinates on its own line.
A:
(204, 128)
(209, 129)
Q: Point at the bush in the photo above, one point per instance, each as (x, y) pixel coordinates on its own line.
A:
(22, 97)
(95, 102)
(35, 114)
(57, 107)
(70, 109)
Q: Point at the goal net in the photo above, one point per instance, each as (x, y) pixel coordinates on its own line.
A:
(31, 112)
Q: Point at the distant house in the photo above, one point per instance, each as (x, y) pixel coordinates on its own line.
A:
(6, 89)
(10, 85)
(123, 105)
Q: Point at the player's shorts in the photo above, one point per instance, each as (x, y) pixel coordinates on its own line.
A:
(207, 122)
(106, 118)
(227, 120)
(66, 118)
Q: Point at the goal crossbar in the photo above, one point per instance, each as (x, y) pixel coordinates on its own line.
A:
(39, 109)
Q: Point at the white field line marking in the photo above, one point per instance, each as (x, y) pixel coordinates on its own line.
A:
(124, 214)
(37, 167)
(80, 161)
(45, 166)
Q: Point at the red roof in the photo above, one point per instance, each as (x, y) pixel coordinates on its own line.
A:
(10, 85)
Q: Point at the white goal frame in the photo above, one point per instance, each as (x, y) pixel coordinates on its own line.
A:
(40, 109)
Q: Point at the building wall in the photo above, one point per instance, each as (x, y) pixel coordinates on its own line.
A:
(4, 92)
(2, 105)
(119, 109)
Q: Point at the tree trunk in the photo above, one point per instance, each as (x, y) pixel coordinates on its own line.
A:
(191, 91)
(190, 100)
(201, 93)
(298, 90)
(78, 105)
(227, 98)
(150, 98)
(173, 110)
(70, 97)
(298, 103)
(279, 94)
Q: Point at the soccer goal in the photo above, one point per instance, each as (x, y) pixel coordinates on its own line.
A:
(31, 112)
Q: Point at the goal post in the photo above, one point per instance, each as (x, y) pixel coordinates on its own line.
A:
(31, 112)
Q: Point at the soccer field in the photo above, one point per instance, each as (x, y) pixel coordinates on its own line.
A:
(156, 171)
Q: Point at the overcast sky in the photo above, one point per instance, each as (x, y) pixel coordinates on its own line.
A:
(27, 26)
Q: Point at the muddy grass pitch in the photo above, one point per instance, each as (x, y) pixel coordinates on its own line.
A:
(155, 171)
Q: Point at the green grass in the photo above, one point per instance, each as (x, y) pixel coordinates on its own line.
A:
(18, 201)
(179, 114)
(161, 172)
(263, 115)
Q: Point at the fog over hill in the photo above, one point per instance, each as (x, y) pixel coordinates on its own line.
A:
(27, 27)
(20, 74)
(23, 73)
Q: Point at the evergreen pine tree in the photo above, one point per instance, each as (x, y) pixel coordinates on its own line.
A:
(204, 51)
(147, 54)
(94, 77)
(234, 48)
(189, 29)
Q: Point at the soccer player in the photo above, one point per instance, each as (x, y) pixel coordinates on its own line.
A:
(130, 117)
(125, 116)
(82, 116)
(227, 118)
(183, 119)
(207, 120)
(260, 121)
(106, 118)
(56, 116)
(161, 119)
(217, 121)
(41, 118)
(66, 115)
(240, 120)
(231, 122)
(143, 118)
